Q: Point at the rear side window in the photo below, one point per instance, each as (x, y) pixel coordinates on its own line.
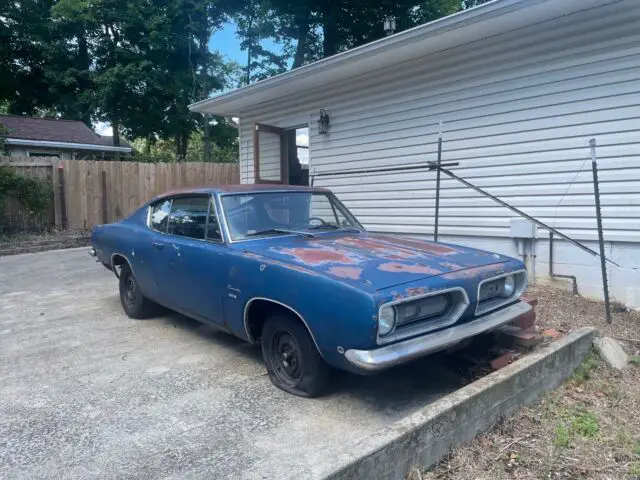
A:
(160, 215)
(188, 217)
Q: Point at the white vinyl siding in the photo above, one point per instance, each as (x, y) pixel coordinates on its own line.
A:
(518, 112)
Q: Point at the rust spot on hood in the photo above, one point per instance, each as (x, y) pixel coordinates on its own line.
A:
(318, 256)
(403, 267)
(428, 247)
(389, 251)
(352, 273)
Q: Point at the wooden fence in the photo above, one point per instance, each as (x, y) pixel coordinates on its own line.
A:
(13, 217)
(88, 193)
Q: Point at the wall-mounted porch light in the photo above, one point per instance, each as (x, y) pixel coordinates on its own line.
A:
(389, 25)
(323, 122)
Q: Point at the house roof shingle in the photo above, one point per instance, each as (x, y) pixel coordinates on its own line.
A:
(54, 130)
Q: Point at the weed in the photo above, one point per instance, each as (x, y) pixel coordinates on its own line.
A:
(636, 449)
(634, 470)
(585, 423)
(561, 438)
(586, 368)
(635, 360)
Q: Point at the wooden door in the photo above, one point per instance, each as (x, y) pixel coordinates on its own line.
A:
(269, 154)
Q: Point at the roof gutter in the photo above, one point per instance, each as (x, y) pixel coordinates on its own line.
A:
(436, 27)
(76, 146)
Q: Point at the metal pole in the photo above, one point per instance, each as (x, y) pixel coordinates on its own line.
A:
(603, 265)
(435, 228)
(520, 212)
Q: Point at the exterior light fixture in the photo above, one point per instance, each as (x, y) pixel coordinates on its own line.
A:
(323, 122)
(389, 25)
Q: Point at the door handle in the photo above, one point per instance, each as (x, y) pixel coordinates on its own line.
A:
(158, 245)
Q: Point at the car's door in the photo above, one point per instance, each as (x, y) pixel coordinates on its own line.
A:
(191, 270)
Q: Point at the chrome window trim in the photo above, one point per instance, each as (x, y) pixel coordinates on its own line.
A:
(246, 325)
(448, 320)
(171, 199)
(329, 194)
(516, 294)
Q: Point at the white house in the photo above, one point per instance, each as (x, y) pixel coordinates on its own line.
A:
(521, 86)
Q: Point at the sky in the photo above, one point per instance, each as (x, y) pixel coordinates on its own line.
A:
(226, 42)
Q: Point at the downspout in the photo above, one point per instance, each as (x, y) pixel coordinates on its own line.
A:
(556, 275)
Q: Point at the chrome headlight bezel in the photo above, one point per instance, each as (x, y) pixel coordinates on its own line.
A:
(521, 279)
(458, 305)
(391, 323)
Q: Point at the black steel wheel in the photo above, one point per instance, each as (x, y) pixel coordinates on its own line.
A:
(292, 359)
(134, 303)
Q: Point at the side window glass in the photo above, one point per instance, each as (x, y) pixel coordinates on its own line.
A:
(321, 210)
(188, 217)
(160, 215)
(213, 227)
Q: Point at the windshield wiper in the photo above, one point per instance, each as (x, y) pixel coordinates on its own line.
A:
(333, 226)
(279, 230)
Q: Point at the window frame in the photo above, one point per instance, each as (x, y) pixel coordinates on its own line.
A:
(212, 201)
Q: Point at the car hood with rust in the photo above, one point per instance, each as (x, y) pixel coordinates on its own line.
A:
(372, 260)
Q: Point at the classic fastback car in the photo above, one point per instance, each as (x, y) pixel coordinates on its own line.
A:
(292, 269)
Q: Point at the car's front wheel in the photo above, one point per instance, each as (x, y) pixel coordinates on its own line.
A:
(292, 359)
(134, 303)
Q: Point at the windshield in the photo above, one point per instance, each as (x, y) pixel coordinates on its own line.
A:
(261, 214)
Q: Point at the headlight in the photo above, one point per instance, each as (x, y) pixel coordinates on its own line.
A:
(502, 287)
(508, 287)
(386, 320)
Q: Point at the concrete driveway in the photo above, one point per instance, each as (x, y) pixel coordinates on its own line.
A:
(86, 392)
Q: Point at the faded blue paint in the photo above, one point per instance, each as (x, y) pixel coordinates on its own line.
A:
(336, 280)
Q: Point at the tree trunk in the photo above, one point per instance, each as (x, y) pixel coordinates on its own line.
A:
(178, 148)
(301, 47)
(116, 138)
(206, 140)
(185, 144)
(84, 84)
(330, 30)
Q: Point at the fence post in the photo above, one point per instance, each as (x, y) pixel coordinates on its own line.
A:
(103, 192)
(63, 200)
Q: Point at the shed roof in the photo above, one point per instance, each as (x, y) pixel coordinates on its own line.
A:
(462, 28)
(50, 131)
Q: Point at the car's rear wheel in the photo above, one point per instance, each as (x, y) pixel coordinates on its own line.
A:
(292, 359)
(134, 303)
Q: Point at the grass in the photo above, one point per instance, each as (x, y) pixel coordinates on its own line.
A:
(561, 438)
(586, 368)
(584, 423)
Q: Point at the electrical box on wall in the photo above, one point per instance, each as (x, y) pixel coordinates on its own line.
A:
(522, 228)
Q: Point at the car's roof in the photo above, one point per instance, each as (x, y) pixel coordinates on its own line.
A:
(235, 188)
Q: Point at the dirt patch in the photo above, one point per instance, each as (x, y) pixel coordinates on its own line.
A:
(588, 428)
(51, 240)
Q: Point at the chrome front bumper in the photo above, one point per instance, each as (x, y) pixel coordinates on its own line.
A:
(401, 352)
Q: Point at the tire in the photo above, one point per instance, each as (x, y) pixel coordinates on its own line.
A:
(303, 372)
(134, 304)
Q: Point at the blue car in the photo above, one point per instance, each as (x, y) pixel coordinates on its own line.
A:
(292, 269)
